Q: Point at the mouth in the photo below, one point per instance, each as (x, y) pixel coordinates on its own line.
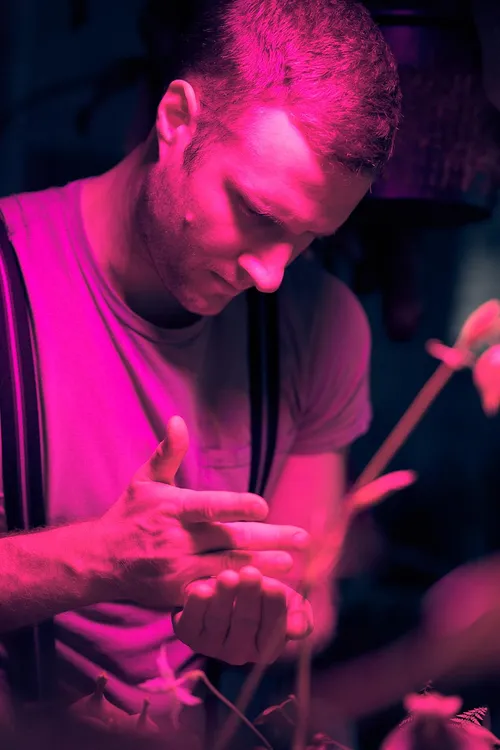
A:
(226, 285)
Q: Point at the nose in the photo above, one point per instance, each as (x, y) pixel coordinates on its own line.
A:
(267, 267)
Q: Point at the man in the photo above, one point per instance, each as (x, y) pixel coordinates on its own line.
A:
(282, 116)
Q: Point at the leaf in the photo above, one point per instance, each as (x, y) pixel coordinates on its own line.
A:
(278, 722)
(475, 715)
(288, 709)
(378, 490)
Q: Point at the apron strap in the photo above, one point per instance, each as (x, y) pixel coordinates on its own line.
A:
(30, 649)
(264, 381)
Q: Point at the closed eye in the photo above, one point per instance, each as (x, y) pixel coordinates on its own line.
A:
(260, 216)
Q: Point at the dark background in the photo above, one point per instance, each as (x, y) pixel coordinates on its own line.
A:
(77, 85)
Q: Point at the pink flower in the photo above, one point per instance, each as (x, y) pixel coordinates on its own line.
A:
(381, 488)
(482, 326)
(454, 358)
(167, 682)
(486, 375)
(326, 553)
(433, 704)
(429, 711)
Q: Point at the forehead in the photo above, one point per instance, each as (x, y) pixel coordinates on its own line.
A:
(273, 163)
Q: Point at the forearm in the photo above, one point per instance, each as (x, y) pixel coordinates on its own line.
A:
(52, 571)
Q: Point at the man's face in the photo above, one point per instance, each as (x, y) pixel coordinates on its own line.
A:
(246, 211)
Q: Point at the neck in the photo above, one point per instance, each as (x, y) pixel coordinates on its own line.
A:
(107, 206)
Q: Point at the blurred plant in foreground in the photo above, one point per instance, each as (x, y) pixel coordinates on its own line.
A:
(433, 723)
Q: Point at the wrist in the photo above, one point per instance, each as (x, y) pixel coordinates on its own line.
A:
(55, 570)
(98, 563)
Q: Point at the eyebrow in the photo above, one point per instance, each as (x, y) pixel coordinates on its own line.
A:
(259, 205)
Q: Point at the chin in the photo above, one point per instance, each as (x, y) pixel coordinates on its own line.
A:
(214, 306)
(207, 306)
(206, 295)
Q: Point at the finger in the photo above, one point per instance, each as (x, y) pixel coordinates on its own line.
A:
(166, 460)
(189, 622)
(271, 638)
(300, 621)
(240, 644)
(381, 488)
(220, 608)
(248, 536)
(269, 563)
(199, 507)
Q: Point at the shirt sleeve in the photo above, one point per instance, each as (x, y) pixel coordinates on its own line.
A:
(336, 395)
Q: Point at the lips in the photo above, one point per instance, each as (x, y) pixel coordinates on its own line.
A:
(230, 287)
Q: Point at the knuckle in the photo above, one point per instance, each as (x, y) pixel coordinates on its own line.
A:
(192, 504)
(175, 537)
(208, 511)
(234, 559)
(244, 536)
(247, 620)
(216, 622)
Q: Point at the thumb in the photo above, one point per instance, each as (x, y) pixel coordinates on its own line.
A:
(167, 458)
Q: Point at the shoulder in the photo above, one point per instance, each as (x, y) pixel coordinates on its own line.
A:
(323, 310)
(329, 340)
(23, 210)
(40, 225)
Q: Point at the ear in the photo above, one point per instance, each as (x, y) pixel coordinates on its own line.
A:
(177, 116)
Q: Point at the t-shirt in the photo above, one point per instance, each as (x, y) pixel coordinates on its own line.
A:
(110, 381)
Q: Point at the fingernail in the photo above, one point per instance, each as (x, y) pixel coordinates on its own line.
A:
(299, 623)
(258, 509)
(301, 539)
(283, 561)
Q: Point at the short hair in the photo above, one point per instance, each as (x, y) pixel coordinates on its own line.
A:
(325, 62)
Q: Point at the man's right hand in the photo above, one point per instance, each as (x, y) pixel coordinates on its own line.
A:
(160, 537)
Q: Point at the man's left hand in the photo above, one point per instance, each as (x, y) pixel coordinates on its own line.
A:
(241, 617)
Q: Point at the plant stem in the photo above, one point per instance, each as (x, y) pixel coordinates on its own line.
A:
(198, 674)
(303, 690)
(246, 694)
(142, 718)
(373, 470)
(423, 400)
(406, 424)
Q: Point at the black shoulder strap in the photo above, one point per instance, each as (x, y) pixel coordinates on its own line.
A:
(29, 648)
(264, 376)
(264, 383)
